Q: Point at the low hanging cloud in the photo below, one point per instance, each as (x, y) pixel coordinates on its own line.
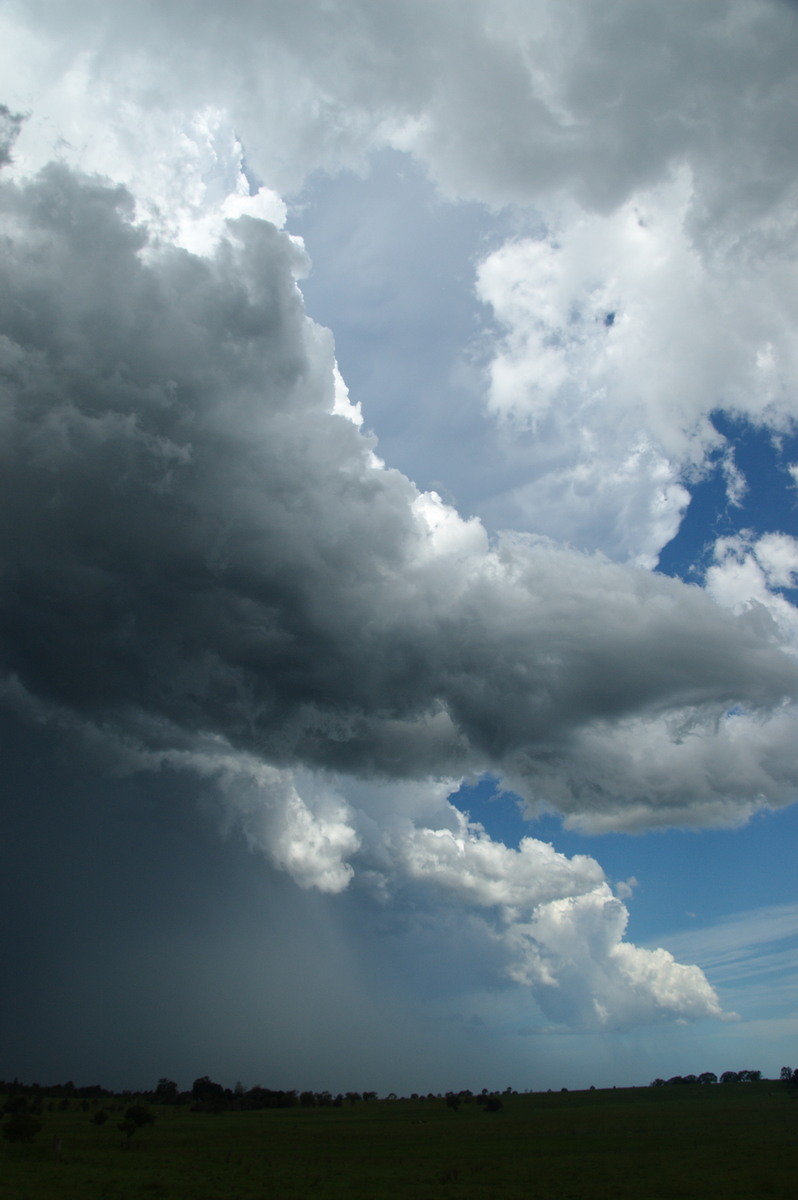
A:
(207, 568)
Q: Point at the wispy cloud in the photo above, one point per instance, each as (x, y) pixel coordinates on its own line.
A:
(751, 957)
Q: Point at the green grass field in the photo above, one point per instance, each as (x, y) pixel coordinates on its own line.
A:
(732, 1141)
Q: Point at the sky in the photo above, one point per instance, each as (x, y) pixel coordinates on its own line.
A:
(399, 673)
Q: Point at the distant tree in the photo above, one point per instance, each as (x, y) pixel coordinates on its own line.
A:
(128, 1128)
(657, 1082)
(140, 1114)
(21, 1126)
(307, 1099)
(707, 1077)
(100, 1117)
(730, 1077)
(452, 1101)
(166, 1091)
(136, 1116)
(210, 1096)
(492, 1104)
(204, 1089)
(786, 1074)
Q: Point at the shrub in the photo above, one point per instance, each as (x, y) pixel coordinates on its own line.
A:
(21, 1126)
(140, 1115)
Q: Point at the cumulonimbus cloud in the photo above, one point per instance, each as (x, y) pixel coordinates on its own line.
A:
(207, 541)
(208, 569)
(205, 564)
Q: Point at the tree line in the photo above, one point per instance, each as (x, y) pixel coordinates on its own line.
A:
(787, 1075)
(206, 1095)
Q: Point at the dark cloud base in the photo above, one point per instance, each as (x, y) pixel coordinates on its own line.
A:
(195, 545)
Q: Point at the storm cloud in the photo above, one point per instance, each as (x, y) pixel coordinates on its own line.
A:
(208, 569)
(214, 587)
(197, 543)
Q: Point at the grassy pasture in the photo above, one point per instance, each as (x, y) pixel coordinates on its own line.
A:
(737, 1141)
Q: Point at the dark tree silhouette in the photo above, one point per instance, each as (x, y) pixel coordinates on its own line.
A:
(135, 1117)
(21, 1126)
(140, 1114)
(205, 1091)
